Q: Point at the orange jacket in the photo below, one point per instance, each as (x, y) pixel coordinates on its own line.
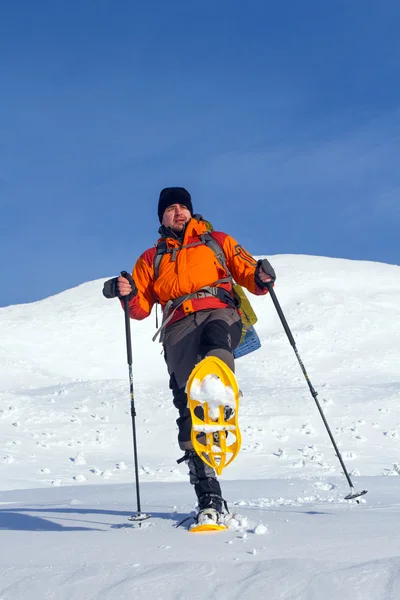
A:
(192, 269)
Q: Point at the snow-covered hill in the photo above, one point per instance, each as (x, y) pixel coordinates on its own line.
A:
(66, 462)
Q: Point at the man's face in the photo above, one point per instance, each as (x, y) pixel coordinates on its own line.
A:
(176, 216)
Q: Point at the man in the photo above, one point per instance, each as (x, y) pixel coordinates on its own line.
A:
(200, 317)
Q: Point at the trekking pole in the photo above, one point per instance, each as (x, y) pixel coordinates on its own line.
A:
(139, 515)
(353, 494)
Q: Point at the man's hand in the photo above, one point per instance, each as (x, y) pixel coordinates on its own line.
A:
(120, 287)
(264, 273)
(264, 277)
(124, 287)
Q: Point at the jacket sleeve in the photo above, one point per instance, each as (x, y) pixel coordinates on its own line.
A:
(241, 264)
(143, 275)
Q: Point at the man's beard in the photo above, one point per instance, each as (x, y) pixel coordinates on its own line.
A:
(179, 227)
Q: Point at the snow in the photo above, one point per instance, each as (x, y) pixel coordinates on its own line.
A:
(211, 390)
(213, 428)
(66, 461)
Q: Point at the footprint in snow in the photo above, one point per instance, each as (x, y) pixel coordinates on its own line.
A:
(342, 429)
(79, 459)
(307, 429)
(144, 470)
(349, 455)
(73, 443)
(392, 433)
(308, 451)
(280, 453)
(327, 467)
(327, 401)
(106, 474)
(121, 466)
(255, 447)
(394, 471)
(95, 471)
(42, 444)
(316, 457)
(249, 430)
(324, 486)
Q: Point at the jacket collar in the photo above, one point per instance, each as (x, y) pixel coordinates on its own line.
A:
(196, 226)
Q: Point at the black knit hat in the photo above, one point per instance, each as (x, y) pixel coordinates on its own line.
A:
(173, 195)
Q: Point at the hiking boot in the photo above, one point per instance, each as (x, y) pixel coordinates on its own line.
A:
(207, 516)
(210, 508)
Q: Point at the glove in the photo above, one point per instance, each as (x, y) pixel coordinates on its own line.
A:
(265, 267)
(111, 287)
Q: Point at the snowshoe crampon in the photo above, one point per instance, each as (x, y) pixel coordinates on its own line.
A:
(213, 400)
(207, 520)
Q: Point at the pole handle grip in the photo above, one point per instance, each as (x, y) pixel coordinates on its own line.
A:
(128, 331)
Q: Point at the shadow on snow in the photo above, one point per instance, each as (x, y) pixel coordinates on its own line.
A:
(27, 519)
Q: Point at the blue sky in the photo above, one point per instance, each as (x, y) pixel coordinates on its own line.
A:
(281, 119)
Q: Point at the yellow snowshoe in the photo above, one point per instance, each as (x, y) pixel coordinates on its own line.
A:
(213, 400)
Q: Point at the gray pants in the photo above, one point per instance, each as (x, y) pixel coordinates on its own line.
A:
(214, 332)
